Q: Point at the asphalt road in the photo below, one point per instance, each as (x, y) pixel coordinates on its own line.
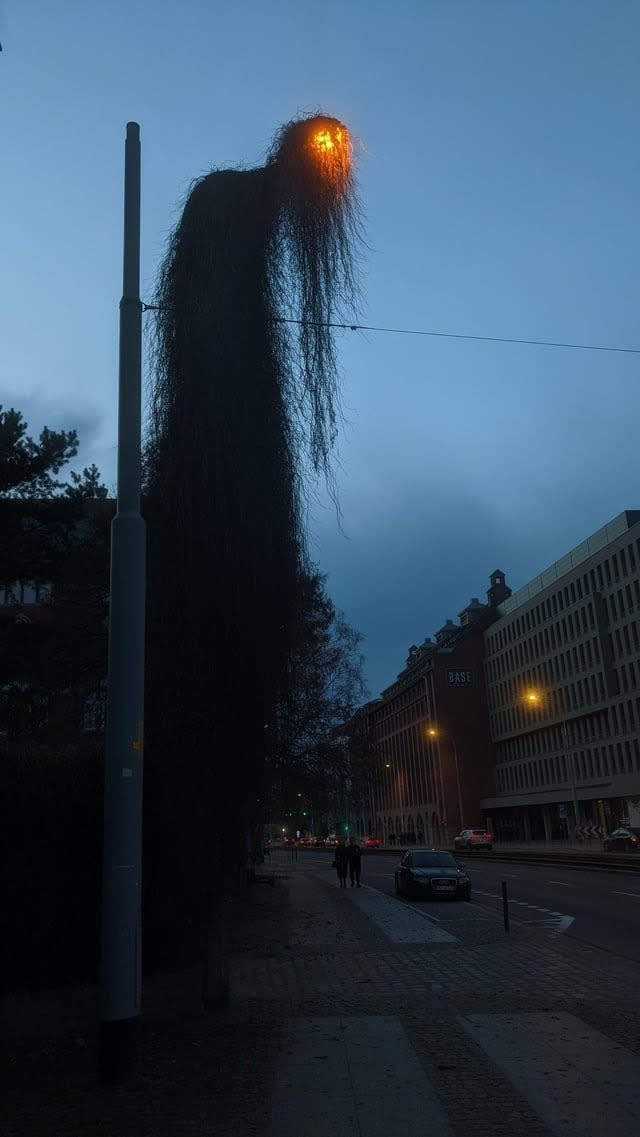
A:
(599, 908)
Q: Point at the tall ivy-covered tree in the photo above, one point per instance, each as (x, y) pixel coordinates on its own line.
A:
(245, 390)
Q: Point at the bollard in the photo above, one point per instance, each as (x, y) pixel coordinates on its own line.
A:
(505, 906)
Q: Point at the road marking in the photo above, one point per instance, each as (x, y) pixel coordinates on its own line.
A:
(636, 895)
(560, 922)
(562, 882)
(577, 1080)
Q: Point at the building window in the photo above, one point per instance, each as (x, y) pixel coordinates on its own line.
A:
(614, 565)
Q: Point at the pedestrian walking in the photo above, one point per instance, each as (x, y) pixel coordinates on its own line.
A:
(354, 855)
(341, 862)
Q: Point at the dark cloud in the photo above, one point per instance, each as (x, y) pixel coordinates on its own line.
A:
(399, 573)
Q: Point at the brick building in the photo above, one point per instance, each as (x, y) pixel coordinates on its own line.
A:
(430, 732)
(562, 673)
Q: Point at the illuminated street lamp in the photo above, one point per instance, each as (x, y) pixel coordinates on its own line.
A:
(533, 698)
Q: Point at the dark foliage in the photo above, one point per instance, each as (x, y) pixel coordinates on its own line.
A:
(53, 654)
(312, 752)
(53, 832)
(28, 468)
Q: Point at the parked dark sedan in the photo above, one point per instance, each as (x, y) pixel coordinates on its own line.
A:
(622, 841)
(431, 873)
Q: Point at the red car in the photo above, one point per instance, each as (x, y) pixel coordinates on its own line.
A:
(371, 842)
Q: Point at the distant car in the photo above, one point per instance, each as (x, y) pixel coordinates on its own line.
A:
(474, 839)
(289, 840)
(371, 842)
(622, 841)
(331, 841)
(432, 873)
(319, 842)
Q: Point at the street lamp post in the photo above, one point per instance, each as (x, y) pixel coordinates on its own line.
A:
(572, 773)
(435, 734)
(458, 785)
(120, 993)
(534, 699)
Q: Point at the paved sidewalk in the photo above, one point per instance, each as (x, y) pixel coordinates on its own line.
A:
(396, 1017)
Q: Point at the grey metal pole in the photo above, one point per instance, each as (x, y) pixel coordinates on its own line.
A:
(443, 804)
(572, 772)
(460, 809)
(505, 906)
(122, 859)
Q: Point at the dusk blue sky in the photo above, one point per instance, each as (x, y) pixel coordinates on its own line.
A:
(499, 171)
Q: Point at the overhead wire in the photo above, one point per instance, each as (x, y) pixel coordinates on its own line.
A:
(446, 335)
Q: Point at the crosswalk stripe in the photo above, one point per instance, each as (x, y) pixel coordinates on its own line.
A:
(579, 1082)
(337, 1077)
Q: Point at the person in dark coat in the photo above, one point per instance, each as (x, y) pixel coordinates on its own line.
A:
(354, 854)
(341, 861)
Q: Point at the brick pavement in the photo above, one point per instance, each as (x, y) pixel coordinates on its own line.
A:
(336, 959)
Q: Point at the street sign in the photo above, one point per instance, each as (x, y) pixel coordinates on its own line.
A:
(563, 811)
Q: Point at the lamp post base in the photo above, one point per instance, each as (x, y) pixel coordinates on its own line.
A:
(118, 1039)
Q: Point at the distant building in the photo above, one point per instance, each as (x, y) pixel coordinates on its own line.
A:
(430, 732)
(563, 693)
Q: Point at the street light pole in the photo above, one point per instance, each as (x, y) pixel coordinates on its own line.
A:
(572, 772)
(434, 735)
(533, 699)
(121, 970)
(460, 809)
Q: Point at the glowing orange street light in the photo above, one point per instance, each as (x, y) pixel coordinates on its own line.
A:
(332, 149)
